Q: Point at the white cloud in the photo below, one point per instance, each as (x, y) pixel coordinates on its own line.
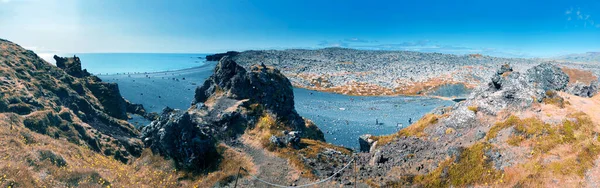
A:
(4, 1)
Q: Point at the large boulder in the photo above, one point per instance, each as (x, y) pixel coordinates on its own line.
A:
(517, 91)
(174, 135)
(548, 76)
(582, 89)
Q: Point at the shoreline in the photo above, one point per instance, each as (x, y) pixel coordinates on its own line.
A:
(206, 63)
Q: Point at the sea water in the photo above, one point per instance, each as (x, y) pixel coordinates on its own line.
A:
(342, 118)
(120, 63)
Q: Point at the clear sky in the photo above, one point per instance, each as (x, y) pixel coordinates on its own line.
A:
(502, 28)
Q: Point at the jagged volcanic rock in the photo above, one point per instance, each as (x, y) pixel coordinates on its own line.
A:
(71, 65)
(261, 85)
(176, 136)
(583, 90)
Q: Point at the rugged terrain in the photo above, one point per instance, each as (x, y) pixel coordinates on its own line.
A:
(520, 129)
(526, 124)
(369, 72)
(62, 127)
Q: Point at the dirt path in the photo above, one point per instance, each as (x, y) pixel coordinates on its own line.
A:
(269, 168)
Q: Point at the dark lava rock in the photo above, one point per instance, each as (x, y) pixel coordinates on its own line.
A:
(174, 135)
(291, 139)
(548, 77)
(261, 85)
(217, 57)
(110, 97)
(365, 142)
(583, 90)
(71, 65)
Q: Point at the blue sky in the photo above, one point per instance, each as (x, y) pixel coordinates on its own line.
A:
(501, 28)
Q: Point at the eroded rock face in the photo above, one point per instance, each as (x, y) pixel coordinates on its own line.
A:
(110, 97)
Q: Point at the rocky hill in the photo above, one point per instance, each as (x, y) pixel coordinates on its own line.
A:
(370, 72)
(589, 57)
(520, 129)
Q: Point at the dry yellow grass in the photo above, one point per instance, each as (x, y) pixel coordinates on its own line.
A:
(577, 75)
(416, 129)
(474, 109)
(21, 164)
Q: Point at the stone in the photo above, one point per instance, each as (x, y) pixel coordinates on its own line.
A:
(175, 136)
(548, 76)
(583, 90)
(365, 142)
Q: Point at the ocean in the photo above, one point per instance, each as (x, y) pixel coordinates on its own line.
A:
(160, 80)
(119, 63)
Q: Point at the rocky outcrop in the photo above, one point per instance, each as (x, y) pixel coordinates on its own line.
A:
(547, 76)
(515, 90)
(582, 89)
(110, 97)
(230, 101)
(175, 135)
(452, 131)
(71, 65)
(367, 144)
(65, 102)
(217, 57)
(261, 85)
(289, 139)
